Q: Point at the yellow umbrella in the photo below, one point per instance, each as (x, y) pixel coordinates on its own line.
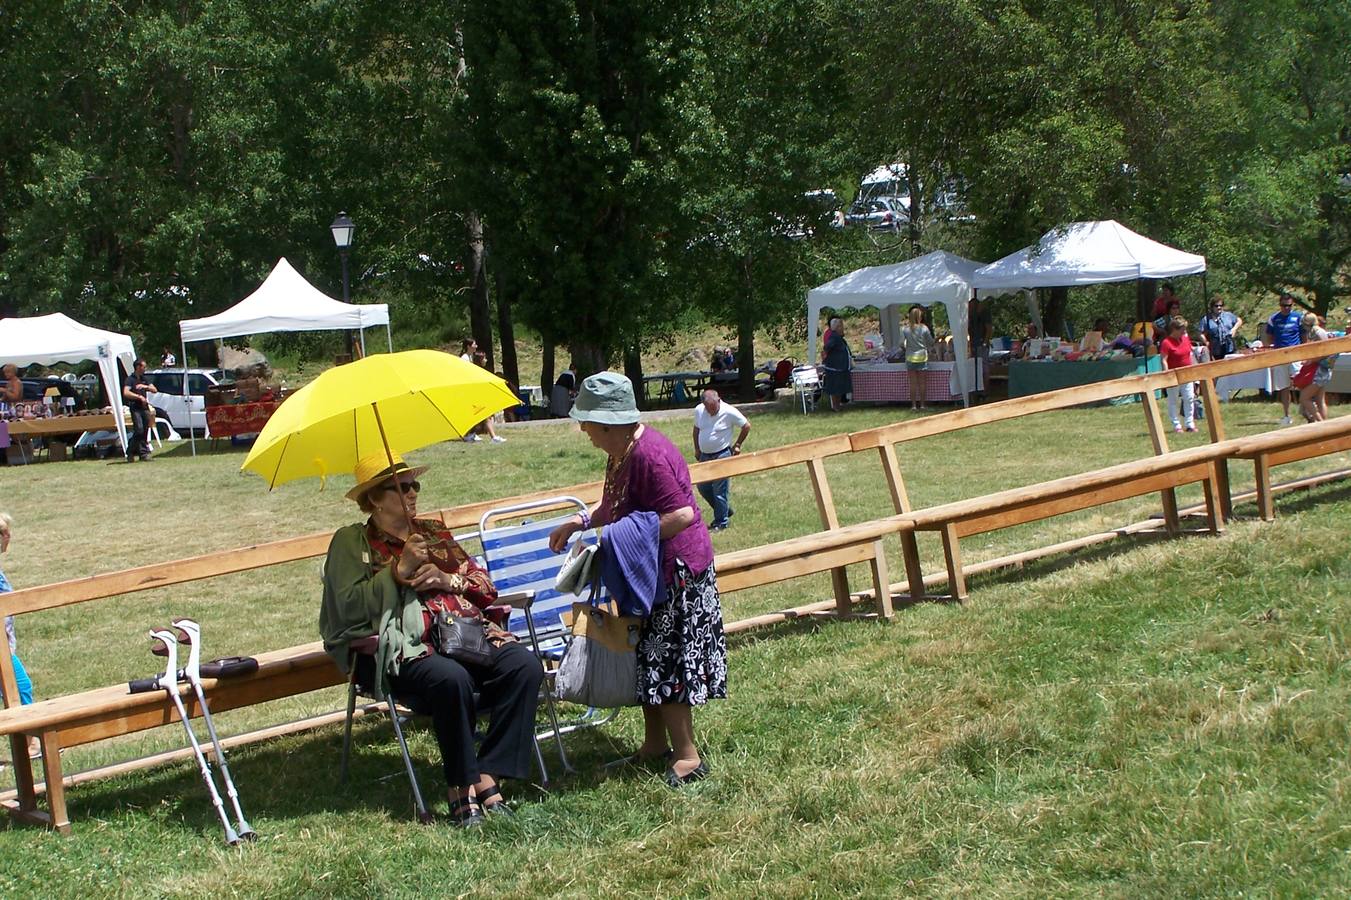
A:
(390, 402)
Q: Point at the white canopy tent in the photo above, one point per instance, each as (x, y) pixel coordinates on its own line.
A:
(937, 277)
(44, 340)
(285, 301)
(1086, 253)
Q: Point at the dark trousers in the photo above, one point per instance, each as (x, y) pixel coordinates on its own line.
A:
(508, 692)
(139, 443)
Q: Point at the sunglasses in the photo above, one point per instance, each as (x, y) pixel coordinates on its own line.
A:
(404, 486)
(1287, 306)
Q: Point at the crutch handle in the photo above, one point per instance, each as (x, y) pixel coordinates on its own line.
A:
(143, 685)
(230, 667)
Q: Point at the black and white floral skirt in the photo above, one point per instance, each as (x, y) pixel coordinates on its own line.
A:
(682, 653)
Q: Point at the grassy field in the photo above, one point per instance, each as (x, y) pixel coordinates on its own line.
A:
(1150, 717)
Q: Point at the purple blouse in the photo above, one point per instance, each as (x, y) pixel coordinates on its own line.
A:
(655, 478)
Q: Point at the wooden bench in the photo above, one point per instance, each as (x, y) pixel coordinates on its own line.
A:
(810, 554)
(110, 712)
(1018, 506)
(1289, 445)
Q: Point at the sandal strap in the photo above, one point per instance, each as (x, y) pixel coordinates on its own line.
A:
(483, 796)
(464, 807)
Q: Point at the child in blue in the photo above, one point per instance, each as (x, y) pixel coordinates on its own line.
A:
(20, 674)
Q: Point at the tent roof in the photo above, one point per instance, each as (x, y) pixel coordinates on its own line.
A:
(937, 277)
(1087, 253)
(43, 340)
(285, 301)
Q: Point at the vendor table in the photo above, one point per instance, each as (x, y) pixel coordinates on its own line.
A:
(1341, 375)
(890, 382)
(234, 419)
(1036, 377)
(30, 428)
(1258, 380)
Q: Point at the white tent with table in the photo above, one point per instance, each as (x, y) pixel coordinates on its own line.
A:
(1086, 253)
(57, 338)
(285, 301)
(935, 278)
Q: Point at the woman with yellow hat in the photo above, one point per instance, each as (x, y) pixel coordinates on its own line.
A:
(393, 575)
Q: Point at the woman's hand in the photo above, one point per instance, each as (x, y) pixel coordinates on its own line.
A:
(429, 578)
(558, 538)
(413, 557)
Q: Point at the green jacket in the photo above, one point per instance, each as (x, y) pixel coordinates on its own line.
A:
(360, 601)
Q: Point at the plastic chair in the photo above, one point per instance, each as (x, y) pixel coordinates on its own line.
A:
(806, 386)
(518, 559)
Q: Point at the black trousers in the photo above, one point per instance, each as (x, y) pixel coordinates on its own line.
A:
(139, 443)
(508, 692)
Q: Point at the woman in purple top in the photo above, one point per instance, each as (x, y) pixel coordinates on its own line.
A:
(682, 653)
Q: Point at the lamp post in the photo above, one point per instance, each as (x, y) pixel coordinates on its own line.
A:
(343, 231)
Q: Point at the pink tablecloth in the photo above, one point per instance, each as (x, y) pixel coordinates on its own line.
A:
(894, 386)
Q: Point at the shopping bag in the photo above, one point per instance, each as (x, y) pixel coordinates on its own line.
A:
(600, 666)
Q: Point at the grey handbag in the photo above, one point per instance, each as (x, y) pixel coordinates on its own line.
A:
(600, 666)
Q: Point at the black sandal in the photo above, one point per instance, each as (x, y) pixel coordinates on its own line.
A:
(466, 812)
(500, 808)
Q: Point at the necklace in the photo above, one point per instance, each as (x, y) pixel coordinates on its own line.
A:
(616, 487)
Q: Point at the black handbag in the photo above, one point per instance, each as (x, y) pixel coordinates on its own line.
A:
(462, 639)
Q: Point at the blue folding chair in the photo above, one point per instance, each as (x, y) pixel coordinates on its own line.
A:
(518, 560)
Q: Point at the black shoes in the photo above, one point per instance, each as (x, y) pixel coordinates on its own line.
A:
(678, 781)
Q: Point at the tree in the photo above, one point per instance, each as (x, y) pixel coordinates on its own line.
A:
(572, 130)
(1288, 209)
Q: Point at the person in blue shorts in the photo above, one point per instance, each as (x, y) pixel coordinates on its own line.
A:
(1283, 330)
(21, 678)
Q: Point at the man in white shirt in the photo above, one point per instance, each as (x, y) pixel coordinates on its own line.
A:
(714, 422)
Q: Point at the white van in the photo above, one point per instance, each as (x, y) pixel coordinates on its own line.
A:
(170, 403)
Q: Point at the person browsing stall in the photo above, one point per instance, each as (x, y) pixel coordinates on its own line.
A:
(393, 576)
(11, 386)
(838, 362)
(682, 652)
(21, 680)
(714, 422)
(1219, 328)
(1176, 352)
(1284, 329)
(134, 392)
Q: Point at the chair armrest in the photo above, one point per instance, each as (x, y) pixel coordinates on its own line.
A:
(515, 600)
(365, 646)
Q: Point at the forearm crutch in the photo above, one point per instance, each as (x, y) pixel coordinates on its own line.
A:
(169, 682)
(193, 633)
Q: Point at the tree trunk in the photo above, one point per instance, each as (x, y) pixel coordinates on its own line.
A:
(633, 368)
(1144, 300)
(1053, 316)
(588, 358)
(480, 313)
(546, 368)
(506, 334)
(745, 354)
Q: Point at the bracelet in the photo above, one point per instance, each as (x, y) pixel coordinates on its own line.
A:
(586, 520)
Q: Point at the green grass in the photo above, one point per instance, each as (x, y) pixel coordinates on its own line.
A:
(1148, 717)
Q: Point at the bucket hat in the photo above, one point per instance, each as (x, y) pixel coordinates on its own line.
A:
(374, 468)
(606, 398)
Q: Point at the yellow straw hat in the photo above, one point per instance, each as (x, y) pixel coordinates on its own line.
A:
(375, 468)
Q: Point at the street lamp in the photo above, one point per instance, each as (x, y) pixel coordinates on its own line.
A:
(343, 232)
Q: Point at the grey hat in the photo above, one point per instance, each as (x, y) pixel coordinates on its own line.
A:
(606, 398)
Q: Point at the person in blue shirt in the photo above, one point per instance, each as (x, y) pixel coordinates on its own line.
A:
(1283, 330)
(21, 679)
(1220, 328)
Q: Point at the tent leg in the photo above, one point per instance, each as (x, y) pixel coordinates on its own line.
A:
(389, 337)
(183, 361)
(361, 335)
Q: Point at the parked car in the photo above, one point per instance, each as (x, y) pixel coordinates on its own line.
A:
(170, 404)
(879, 213)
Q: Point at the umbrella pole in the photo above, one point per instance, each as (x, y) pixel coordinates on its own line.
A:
(389, 455)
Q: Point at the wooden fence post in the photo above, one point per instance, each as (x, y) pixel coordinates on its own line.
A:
(825, 505)
(1158, 436)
